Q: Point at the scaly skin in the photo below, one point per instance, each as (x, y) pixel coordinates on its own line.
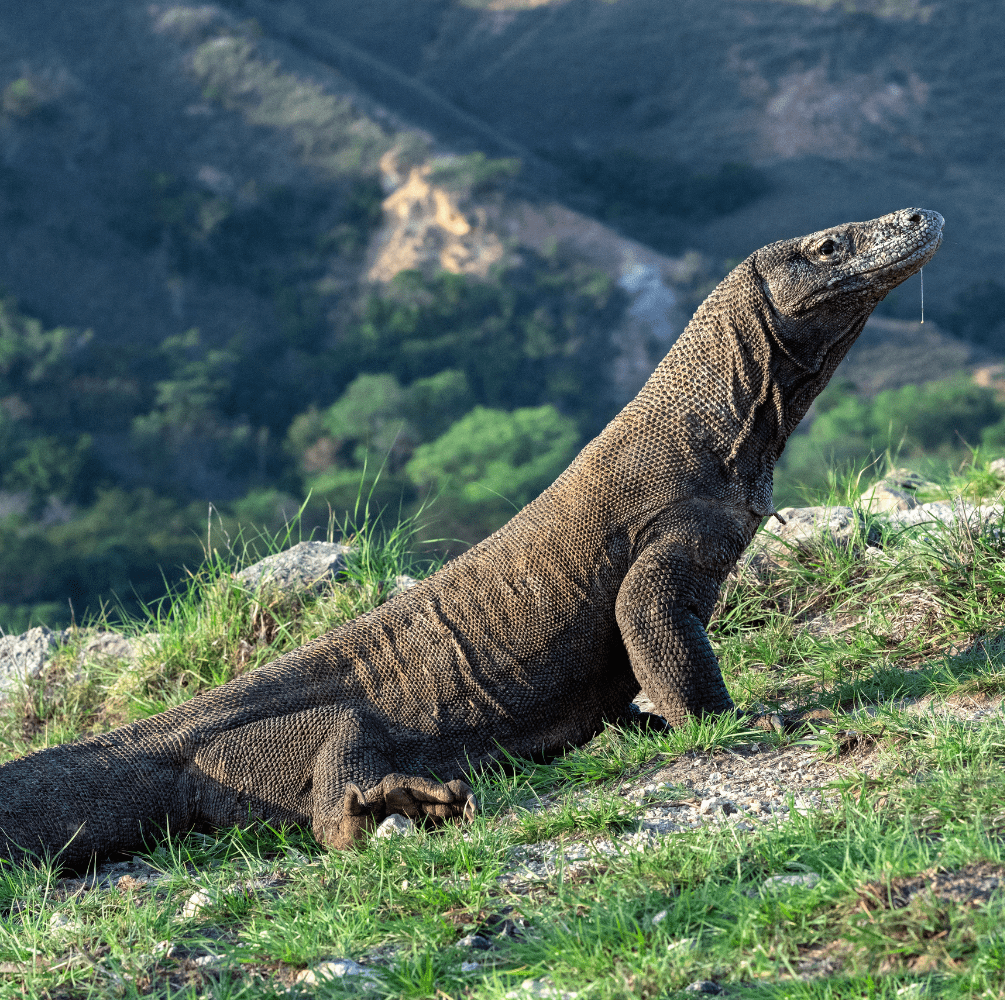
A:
(535, 637)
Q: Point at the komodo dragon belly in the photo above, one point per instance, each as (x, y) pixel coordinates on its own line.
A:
(534, 638)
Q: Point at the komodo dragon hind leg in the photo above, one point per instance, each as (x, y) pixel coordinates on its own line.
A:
(666, 640)
(355, 784)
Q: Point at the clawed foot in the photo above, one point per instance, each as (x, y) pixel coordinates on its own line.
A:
(421, 798)
(417, 798)
(651, 722)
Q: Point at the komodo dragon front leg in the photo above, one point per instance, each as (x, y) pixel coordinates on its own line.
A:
(662, 610)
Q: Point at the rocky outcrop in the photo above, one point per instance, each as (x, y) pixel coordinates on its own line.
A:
(22, 657)
(426, 228)
(305, 568)
(869, 528)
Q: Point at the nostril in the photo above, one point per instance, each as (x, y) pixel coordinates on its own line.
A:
(916, 218)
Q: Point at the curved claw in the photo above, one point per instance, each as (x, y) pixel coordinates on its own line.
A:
(470, 808)
(356, 799)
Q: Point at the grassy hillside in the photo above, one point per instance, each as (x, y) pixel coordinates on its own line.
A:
(861, 857)
(209, 337)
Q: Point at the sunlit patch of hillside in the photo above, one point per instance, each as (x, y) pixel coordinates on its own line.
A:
(905, 10)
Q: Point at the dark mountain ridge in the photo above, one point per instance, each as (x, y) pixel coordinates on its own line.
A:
(846, 110)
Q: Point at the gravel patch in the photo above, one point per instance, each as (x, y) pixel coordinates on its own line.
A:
(744, 789)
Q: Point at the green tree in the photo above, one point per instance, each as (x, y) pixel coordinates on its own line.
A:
(938, 418)
(48, 467)
(187, 444)
(122, 548)
(950, 412)
(491, 453)
(357, 445)
(537, 334)
(365, 423)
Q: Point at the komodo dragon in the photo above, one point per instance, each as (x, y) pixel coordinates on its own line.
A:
(534, 638)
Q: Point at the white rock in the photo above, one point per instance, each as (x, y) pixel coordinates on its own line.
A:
(196, 905)
(714, 805)
(111, 646)
(806, 880)
(544, 988)
(682, 944)
(475, 941)
(22, 657)
(908, 479)
(303, 567)
(334, 968)
(882, 496)
(996, 468)
(804, 527)
(393, 826)
(662, 915)
(61, 922)
(470, 966)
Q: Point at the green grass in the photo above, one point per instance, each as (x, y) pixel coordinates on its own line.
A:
(919, 793)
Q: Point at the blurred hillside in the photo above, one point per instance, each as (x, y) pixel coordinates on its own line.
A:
(790, 115)
(256, 251)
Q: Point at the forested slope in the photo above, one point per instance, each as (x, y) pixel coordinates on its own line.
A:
(255, 252)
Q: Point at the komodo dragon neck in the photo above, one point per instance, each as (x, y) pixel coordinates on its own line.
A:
(767, 340)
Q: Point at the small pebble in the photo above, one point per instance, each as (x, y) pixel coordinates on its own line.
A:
(714, 805)
(543, 988)
(683, 944)
(394, 825)
(336, 968)
(807, 879)
(196, 905)
(475, 941)
(703, 986)
(659, 916)
(470, 966)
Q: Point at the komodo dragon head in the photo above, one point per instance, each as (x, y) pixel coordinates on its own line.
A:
(821, 288)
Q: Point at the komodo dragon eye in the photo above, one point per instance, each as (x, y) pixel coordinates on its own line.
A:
(827, 248)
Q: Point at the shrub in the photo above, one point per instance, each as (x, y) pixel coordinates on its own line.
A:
(490, 453)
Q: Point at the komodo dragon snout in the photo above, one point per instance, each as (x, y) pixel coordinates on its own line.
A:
(532, 640)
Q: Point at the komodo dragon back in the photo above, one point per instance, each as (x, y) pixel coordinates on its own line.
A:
(531, 640)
